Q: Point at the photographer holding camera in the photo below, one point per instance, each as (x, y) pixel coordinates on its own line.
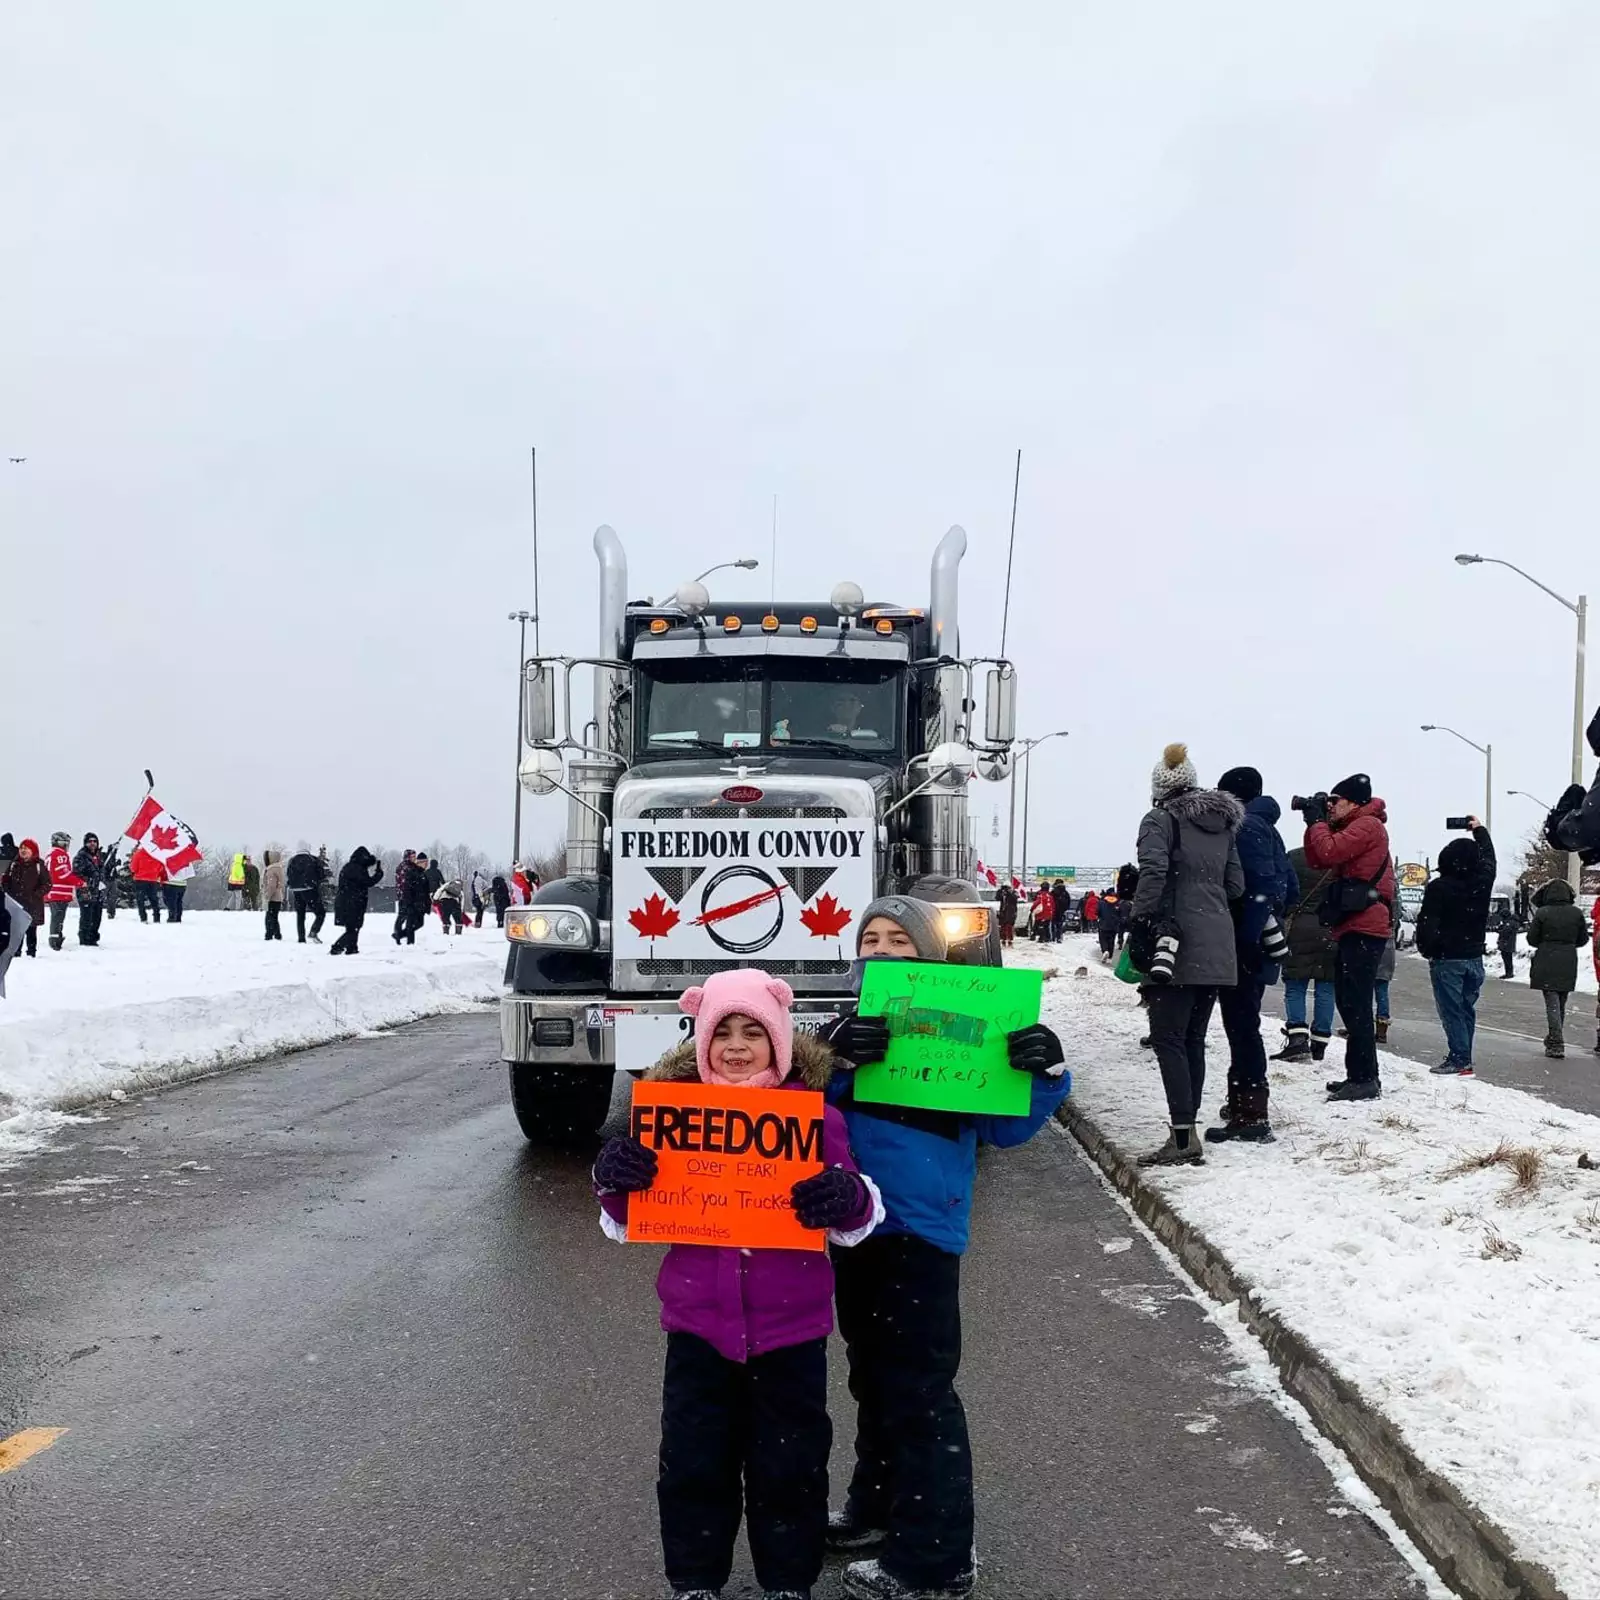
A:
(1451, 928)
(1574, 825)
(1346, 835)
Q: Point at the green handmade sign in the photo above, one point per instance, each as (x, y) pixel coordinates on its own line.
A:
(947, 1036)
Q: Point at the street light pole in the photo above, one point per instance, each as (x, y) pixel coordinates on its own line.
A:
(1025, 754)
(1533, 797)
(1579, 609)
(1487, 752)
(522, 619)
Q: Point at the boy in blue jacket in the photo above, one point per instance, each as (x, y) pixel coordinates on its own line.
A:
(899, 1294)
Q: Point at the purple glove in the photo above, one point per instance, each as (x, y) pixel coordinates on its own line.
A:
(830, 1199)
(624, 1165)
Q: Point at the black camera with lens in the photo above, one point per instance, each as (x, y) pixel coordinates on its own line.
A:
(1315, 802)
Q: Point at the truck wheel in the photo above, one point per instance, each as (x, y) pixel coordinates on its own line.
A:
(560, 1106)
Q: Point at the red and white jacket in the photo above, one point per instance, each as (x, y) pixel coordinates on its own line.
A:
(63, 880)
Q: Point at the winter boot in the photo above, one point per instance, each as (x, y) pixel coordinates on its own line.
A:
(1319, 1046)
(1230, 1106)
(1348, 1089)
(1382, 1030)
(847, 1531)
(56, 942)
(1248, 1120)
(1182, 1149)
(1298, 1048)
(1555, 1047)
(866, 1580)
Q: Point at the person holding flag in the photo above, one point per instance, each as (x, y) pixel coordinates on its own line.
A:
(165, 854)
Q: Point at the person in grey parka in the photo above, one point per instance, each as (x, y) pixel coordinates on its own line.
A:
(1190, 885)
(1559, 930)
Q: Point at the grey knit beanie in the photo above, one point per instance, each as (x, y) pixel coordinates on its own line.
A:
(1174, 773)
(917, 917)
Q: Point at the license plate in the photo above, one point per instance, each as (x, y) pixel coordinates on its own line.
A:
(643, 1038)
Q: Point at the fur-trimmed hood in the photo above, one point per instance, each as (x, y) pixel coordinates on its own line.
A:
(813, 1064)
(1210, 810)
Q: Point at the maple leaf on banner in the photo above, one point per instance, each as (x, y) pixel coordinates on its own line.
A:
(826, 918)
(164, 839)
(655, 918)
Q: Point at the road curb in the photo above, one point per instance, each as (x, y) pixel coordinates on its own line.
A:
(1474, 1556)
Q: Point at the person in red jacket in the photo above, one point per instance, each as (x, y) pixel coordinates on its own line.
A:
(1346, 835)
(148, 876)
(64, 884)
(1091, 910)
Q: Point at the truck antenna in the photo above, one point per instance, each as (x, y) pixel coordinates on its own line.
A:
(533, 462)
(774, 600)
(1011, 550)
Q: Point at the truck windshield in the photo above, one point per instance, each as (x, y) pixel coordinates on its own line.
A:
(770, 705)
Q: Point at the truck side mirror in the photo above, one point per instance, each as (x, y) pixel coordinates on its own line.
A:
(1000, 718)
(541, 771)
(538, 703)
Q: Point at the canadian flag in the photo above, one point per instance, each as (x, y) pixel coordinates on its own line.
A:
(162, 838)
(987, 873)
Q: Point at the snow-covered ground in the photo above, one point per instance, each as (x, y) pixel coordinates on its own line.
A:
(157, 1002)
(1441, 1246)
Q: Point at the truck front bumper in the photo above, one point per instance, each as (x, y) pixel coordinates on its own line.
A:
(579, 1030)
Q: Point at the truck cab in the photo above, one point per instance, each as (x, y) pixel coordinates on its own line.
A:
(751, 777)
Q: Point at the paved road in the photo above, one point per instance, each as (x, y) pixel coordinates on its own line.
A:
(327, 1328)
(1511, 1029)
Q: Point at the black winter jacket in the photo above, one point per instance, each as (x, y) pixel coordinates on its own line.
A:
(90, 865)
(357, 878)
(306, 871)
(1454, 920)
(1313, 950)
(1559, 930)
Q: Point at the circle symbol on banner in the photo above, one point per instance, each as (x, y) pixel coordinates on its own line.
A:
(741, 908)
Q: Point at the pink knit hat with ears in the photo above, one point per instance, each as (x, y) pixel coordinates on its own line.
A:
(746, 992)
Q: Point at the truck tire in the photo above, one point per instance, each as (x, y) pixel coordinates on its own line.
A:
(561, 1107)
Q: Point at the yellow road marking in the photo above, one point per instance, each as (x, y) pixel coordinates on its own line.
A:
(21, 1446)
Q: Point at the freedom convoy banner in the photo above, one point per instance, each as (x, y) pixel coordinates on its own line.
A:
(740, 890)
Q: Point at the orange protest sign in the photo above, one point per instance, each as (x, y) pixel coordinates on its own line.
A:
(727, 1161)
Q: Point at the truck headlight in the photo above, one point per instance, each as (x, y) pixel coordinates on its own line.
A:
(961, 923)
(566, 927)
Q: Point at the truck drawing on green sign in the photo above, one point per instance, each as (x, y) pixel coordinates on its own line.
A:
(906, 1021)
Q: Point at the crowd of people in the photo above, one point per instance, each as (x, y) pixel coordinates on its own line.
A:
(1219, 911)
(40, 887)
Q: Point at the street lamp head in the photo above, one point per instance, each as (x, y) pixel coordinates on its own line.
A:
(1429, 727)
(749, 564)
(1468, 561)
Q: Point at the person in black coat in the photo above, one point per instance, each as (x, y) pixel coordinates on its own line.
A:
(1451, 928)
(90, 865)
(305, 876)
(357, 878)
(415, 898)
(1061, 904)
(500, 895)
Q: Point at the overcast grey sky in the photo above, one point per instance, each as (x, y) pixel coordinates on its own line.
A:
(1284, 305)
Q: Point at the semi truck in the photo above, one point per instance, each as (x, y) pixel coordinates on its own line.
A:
(741, 781)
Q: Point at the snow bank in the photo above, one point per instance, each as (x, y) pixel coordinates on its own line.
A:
(1460, 1295)
(154, 1003)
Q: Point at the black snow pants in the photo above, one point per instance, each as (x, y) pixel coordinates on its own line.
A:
(1241, 1020)
(1353, 978)
(308, 901)
(147, 898)
(1179, 1017)
(345, 944)
(89, 914)
(754, 1434)
(274, 931)
(899, 1303)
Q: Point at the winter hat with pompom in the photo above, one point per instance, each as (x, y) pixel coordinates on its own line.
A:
(748, 992)
(1174, 772)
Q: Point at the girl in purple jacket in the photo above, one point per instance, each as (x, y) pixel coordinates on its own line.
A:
(745, 1390)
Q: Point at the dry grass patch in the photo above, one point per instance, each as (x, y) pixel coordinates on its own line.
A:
(1525, 1164)
(1396, 1123)
(1496, 1247)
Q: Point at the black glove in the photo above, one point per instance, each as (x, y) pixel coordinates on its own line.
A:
(1593, 733)
(1315, 809)
(857, 1041)
(1572, 797)
(829, 1199)
(1036, 1050)
(624, 1165)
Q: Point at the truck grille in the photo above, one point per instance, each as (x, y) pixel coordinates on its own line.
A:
(779, 969)
(722, 811)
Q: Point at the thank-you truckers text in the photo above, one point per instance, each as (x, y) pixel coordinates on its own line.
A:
(771, 844)
(719, 1130)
